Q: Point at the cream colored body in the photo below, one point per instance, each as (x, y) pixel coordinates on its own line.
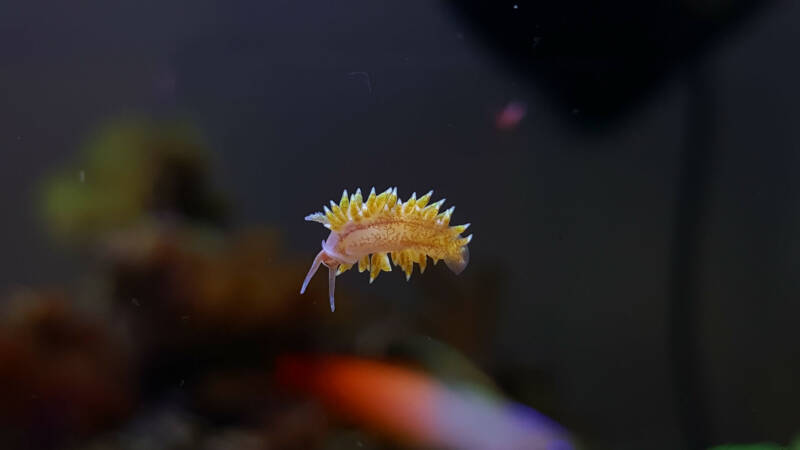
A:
(356, 241)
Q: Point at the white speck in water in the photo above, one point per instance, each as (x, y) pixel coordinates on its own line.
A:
(575, 111)
(181, 385)
(536, 40)
(366, 78)
(516, 6)
(82, 176)
(135, 302)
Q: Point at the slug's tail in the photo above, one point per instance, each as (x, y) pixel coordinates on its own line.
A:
(458, 263)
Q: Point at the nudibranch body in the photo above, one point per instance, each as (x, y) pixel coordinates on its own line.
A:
(367, 232)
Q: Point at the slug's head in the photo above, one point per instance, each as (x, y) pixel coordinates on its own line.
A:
(330, 261)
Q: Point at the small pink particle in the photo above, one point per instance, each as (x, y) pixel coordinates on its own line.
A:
(511, 115)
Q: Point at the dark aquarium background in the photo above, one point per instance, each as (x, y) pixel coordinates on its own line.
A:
(629, 170)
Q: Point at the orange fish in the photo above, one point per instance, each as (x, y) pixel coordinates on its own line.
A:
(414, 408)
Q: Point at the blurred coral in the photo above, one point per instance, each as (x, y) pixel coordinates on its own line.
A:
(240, 283)
(250, 282)
(301, 427)
(63, 375)
(131, 169)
